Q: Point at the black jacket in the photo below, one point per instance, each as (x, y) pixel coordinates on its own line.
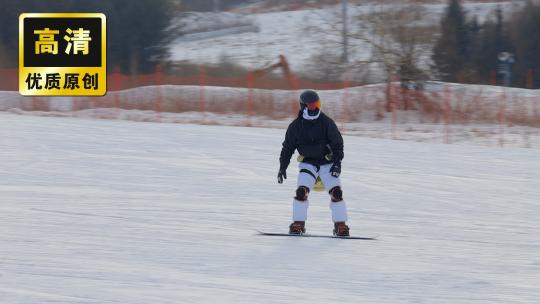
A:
(314, 139)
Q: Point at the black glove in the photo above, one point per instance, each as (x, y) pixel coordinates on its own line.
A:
(335, 170)
(282, 174)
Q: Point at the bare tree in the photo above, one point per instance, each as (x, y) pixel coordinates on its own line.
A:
(396, 36)
(394, 41)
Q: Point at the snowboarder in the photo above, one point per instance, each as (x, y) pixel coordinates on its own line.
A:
(320, 145)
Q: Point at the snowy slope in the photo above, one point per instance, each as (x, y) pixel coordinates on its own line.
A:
(97, 211)
(301, 34)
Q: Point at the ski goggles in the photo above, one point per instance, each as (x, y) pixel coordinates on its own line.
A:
(314, 105)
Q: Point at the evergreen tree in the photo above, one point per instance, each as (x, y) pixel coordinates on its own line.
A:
(451, 52)
(493, 39)
(136, 36)
(526, 38)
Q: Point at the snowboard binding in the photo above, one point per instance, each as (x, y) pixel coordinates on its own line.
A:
(297, 228)
(341, 229)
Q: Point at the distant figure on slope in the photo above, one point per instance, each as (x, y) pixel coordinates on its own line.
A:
(320, 145)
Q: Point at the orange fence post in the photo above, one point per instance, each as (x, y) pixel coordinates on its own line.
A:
(530, 82)
(157, 77)
(388, 96)
(346, 84)
(446, 116)
(392, 105)
(493, 77)
(295, 86)
(202, 92)
(34, 103)
(75, 105)
(10, 79)
(502, 117)
(116, 86)
(249, 105)
(295, 106)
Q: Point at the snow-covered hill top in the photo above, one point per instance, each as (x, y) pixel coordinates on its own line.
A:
(301, 34)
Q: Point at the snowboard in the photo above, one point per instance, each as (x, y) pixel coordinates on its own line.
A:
(316, 236)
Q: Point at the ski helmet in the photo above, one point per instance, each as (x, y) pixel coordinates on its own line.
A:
(310, 99)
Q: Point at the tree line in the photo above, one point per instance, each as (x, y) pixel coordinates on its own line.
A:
(136, 30)
(467, 51)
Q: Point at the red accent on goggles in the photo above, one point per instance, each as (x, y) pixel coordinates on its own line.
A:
(314, 105)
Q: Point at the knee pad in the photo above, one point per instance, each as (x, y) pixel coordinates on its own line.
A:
(336, 194)
(302, 193)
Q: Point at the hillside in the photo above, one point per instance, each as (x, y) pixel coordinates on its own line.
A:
(301, 34)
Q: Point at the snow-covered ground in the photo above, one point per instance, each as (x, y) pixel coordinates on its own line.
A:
(108, 211)
(302, 34)
(193, 26)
